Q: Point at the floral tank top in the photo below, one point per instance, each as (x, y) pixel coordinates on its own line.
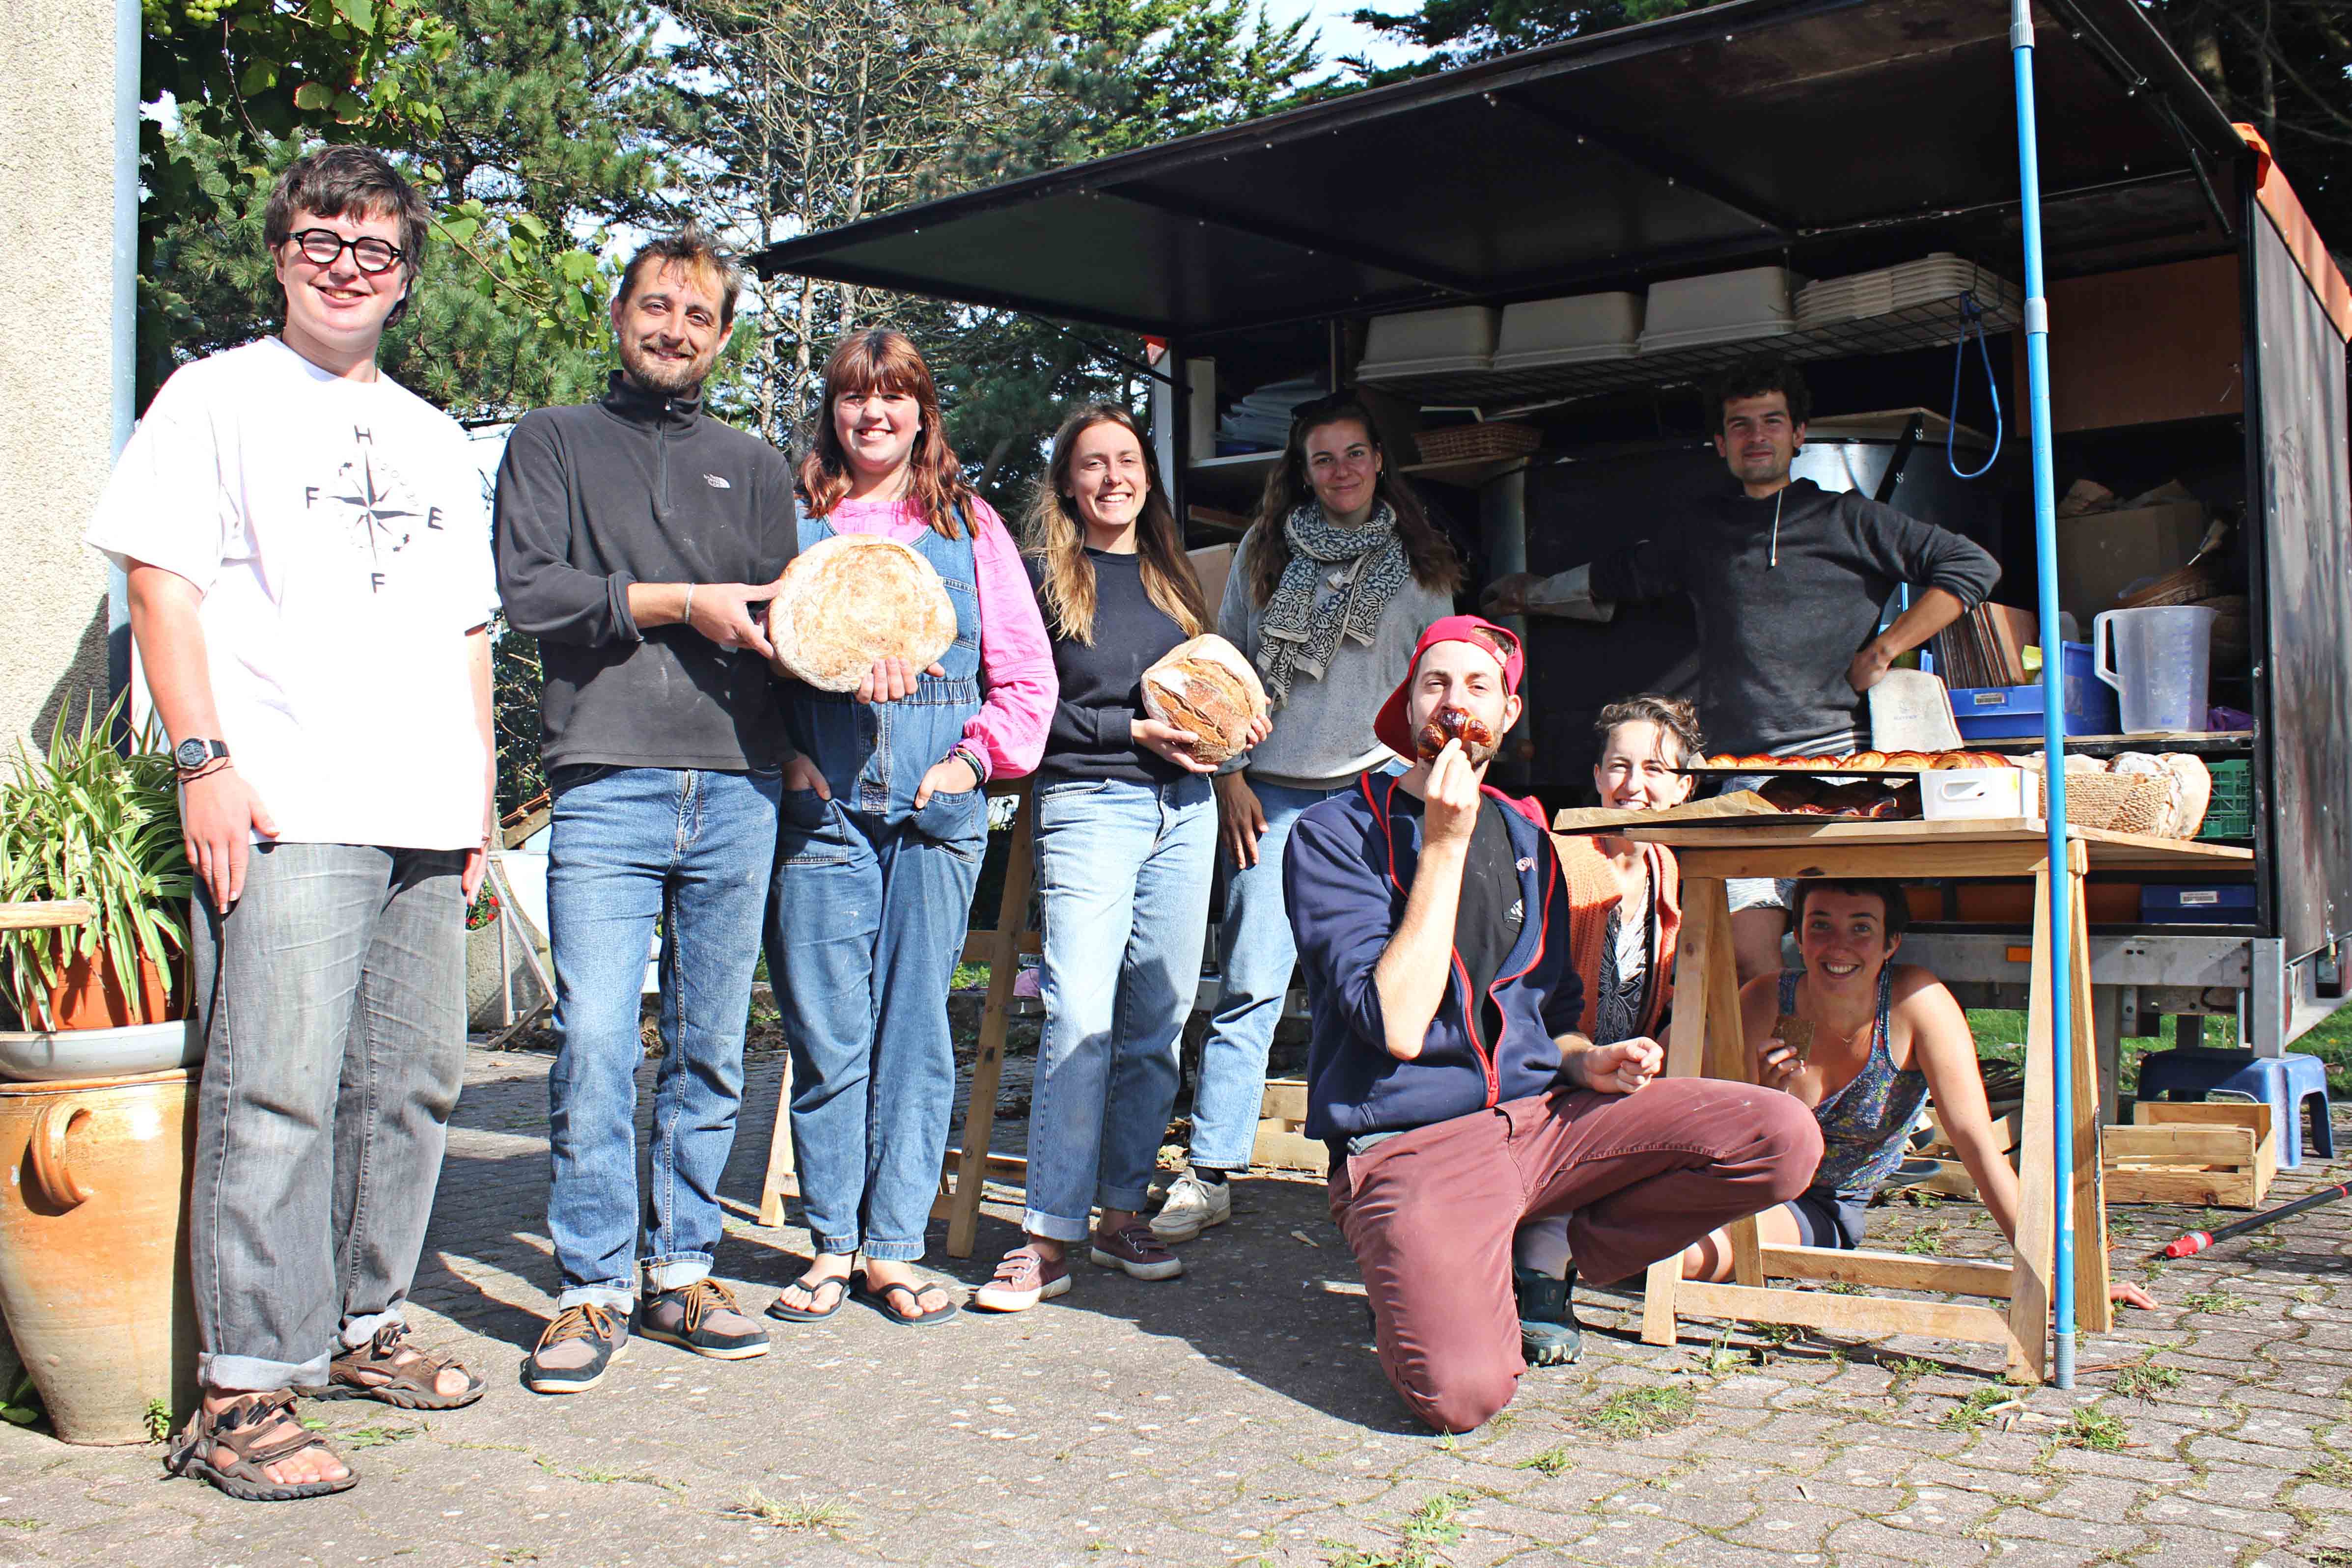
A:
(1865, 1124)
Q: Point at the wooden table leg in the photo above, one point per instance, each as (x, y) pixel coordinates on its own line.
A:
(988, 1066)
(783, 1174)
(2093, 1314)
(1707, 978)
(2029, 1298)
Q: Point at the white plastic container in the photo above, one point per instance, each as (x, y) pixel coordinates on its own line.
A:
(1721, 308)
(1429, 342)
(1544, 332)
(2158, 659)
(1972, 794)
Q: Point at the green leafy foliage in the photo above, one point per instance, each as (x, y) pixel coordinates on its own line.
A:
(81, 820)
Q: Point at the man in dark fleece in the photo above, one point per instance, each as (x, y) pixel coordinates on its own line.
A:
(638, 539)
(1445, 1069)
(1789, 582)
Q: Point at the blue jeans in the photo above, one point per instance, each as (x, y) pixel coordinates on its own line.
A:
(1255, 957)
(692, 850)
(332, 999)
(1123, 872)
(864, 929)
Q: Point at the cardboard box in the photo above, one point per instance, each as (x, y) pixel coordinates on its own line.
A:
(1212, 564)
(2102, 554)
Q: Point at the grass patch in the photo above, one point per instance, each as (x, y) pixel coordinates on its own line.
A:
(2147, 1379)
(2329, 1556)
(1555, 1461)
(1912, 1366)
(2094, 1430)
(2221, 1302)
(801, 1517)
(1719, 1360)
(22, 1524)
(1640, 1412)
(1427, 1528)
(1835, 1288)
(1974, 1410)
(1927, 1240)
(1999, 1034)
(2329, 1469)
(158, 1417)
(378, 1437)
(969, 977)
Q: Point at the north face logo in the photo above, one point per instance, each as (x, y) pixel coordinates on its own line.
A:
(717, 481)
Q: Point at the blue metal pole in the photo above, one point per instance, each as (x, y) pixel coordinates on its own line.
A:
(2053, 691)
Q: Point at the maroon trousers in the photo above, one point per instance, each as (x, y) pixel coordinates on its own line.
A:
(1429, 1214)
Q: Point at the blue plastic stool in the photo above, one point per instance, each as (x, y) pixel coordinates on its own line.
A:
(2289, 1084)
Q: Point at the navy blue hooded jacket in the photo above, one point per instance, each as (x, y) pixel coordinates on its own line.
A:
(1345, 875)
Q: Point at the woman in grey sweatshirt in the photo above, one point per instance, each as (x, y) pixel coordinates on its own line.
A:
(1331, 590)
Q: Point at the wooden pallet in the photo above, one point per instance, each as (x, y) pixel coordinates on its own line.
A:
(1282, 1141)
(2217, 1155)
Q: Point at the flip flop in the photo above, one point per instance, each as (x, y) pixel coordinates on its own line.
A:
(879, 1300)
(785, 1311)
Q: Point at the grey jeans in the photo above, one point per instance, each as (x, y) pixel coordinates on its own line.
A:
(332, 999)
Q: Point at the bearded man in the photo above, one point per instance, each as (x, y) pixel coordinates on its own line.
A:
(1444, 1069)
(638, 538)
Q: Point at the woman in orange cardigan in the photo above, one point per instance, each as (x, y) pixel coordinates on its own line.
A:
(1624, 910)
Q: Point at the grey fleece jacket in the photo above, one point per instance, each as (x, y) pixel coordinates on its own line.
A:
(1779, 625)
(1323, 735)
(640, 488)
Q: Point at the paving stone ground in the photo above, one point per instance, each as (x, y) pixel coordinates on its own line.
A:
(1235, 1416)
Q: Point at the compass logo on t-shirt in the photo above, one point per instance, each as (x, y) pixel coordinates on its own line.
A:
(376, 503)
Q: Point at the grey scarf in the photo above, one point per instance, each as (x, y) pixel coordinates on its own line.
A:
(1338, 580)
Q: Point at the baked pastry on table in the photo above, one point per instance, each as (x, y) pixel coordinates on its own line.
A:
(851, 599)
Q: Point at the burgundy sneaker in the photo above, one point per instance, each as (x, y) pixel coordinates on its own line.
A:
(1024, 1278)
(1133, 1248)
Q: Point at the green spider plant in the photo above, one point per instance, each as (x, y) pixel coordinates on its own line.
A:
(87, 822)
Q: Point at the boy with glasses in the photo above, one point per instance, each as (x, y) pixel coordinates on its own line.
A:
(308, 562)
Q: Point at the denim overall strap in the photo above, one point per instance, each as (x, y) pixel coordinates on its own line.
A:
(874, 754)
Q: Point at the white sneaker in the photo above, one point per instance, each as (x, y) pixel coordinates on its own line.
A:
(1192, 1207)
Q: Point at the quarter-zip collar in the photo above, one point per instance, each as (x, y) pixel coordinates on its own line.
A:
(625, 400)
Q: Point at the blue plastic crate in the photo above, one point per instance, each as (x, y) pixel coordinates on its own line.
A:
(2197, 903)
(2003, 713)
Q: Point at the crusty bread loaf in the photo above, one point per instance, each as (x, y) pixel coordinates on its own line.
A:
(1204, 687)
(2196, 791)
(850, 600)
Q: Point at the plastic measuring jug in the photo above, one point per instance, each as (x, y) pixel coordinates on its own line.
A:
(2158, 659)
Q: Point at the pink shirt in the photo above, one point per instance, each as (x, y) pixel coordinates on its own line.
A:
(1018, 688)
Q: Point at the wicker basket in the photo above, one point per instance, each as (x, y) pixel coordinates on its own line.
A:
(2113, 803)
(1483, 443)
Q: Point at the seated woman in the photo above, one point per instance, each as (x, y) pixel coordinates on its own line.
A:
(1883, 1036)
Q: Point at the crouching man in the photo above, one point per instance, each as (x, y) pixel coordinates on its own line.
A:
(1444, 1069)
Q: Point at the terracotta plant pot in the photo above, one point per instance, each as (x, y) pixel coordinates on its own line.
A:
(90, 995)
(94, 1248)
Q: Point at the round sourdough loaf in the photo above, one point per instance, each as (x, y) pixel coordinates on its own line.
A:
(850, 600)
(1205, 687)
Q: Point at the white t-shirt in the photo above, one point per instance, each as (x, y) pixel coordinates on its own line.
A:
(337, 531)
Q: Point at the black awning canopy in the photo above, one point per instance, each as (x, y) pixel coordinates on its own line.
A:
(1741, 131)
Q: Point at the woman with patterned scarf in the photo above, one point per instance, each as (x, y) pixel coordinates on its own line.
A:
(1332, 587)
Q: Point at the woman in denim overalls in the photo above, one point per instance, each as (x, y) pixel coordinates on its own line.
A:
(883, 827)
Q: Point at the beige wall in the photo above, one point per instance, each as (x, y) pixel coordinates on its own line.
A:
(56, 370)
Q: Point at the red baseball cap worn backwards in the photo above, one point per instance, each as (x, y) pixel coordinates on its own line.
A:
(1390, 728)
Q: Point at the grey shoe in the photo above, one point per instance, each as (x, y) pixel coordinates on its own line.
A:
(574, 1354)
(1548, 1332)
(1192, 1207)
(703, 1318)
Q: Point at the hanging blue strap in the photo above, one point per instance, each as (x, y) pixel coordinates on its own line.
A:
(1972, 318)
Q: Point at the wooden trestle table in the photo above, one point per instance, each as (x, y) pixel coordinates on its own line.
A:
(1705, 1040)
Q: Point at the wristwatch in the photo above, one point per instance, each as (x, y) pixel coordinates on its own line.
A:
(190, 755)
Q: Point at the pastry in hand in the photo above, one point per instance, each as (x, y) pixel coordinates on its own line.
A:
(1456, 724)
(1795, 1033)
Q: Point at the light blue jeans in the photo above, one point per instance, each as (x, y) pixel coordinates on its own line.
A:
(864, 933)
(1123, 872)
(332, 999)
(1255, 957)
(692, 850)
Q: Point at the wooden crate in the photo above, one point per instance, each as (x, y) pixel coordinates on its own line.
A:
(1281, 1145)
(2217, 1155)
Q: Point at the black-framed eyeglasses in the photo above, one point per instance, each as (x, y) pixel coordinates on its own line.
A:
(322, 247)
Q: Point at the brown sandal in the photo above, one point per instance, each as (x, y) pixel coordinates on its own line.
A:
(389, 1369)
(238, 1429)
